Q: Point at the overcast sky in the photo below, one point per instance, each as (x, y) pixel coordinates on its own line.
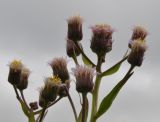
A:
(35, 31)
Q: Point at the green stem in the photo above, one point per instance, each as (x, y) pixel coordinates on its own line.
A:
(83, 107)
(16, 91)
(24, 100)
(71, 102)
(31, 118)
(75, 60)
(96, 89)
(99, 64)
(42, 114)
(39, 111)
(129, 71)
(95, 98)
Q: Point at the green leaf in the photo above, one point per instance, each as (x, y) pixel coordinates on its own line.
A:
(108, 100)
(86, 114)
(85, 61)
(114, 68)
(24, 108)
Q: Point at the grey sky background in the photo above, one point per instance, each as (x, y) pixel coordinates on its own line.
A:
(35, 31)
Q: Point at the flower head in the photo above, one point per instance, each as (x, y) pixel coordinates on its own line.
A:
(71, 48)
(15, 68)
(136, 55)
(49, 92)
(139, 33)
(84, 78)
(59, 67)
(23, 79)
(101, 41)
(75, 28)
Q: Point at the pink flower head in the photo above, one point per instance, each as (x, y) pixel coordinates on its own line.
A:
(136, 55)
(84, 78)
(59, 67)
(101, 41)
(75, 28)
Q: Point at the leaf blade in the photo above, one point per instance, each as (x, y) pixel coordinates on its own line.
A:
(108, 100)
(114, 68)
(85, 61)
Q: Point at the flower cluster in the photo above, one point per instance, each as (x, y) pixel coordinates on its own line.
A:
(87, 76)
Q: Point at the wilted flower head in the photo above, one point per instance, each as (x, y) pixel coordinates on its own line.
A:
(23, 79)
(59, 67)
(75, 28)
(15, 68)
(101, 41)
(71, 48)
(136, 55)
(84, 78)
(49, 92)
(139, 33)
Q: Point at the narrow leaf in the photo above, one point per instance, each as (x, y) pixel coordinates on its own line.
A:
(86, 114)
(108, 100)
(85, 61)
(114, 68)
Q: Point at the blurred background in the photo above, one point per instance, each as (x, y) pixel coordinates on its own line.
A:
(34, 31)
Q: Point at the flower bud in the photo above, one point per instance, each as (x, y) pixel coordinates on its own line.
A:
(136, 55)
(101, 41)
(139, 33)
(33, 105)
(59, 67)
(23, 79)
(49, 92)
(84, 78)
(75, 28)
(71, 48)
(15, 68)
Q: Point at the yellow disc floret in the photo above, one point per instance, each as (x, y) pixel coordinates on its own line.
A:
(54, 79)
(16, 64)
(139, 45)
